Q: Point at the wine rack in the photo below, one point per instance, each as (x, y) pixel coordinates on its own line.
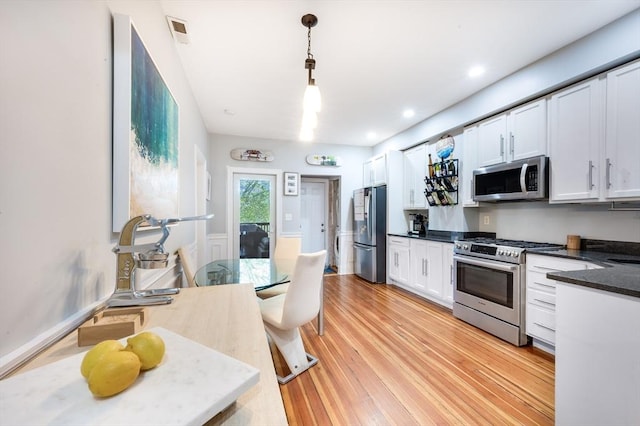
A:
(442, 186)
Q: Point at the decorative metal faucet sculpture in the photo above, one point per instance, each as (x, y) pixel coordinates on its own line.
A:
(144, 256)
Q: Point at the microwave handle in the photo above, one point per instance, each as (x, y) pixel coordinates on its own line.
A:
(523, 175)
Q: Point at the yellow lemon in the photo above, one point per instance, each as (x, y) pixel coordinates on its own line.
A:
(115, 372)
(92, 357)
(148, 346)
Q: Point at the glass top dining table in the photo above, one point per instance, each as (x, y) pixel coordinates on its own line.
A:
(263, 273)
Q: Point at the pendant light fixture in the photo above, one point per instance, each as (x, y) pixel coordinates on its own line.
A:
(312, 103)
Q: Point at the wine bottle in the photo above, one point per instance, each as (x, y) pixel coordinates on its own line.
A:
(430, 167)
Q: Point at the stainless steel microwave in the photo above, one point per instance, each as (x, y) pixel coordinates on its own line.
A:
(526, 179)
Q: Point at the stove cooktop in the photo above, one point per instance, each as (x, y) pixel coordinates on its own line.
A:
(510, 243)
(511, 251)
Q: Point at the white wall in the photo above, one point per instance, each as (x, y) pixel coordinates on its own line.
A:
(55, 158)
(612, 45)
(539, 221)
(289, 156)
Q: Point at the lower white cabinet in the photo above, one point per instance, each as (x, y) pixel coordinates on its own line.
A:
(447, 282)
(434, 270)
(419, 265)
(597, 357)
(430, 266)
(398, 260)
(541, 297)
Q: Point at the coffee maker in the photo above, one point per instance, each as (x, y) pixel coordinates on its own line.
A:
(417, 225)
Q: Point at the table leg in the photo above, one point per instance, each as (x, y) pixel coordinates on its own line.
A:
(321, 313)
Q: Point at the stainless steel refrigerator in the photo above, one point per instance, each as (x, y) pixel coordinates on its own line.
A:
(370, 233)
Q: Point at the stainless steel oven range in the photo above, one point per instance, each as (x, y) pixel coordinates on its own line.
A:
(489, 285)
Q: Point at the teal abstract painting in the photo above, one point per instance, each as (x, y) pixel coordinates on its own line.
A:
(153, 139)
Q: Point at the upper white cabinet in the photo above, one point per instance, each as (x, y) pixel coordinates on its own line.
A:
(517, 134)
(374, 171)
(415, 169)
(527, 127)
(622, 138)
(594, 128)
(574, 132)
(491, 139)
(468, 163)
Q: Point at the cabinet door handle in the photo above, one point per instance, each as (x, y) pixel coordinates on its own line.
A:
(591, 185)
(451, 269)
(545, 284)
(544, 302)
(511, 142)
(544, 326)
(608, 173)
(547, 269)
(422, 266)
(501, 146)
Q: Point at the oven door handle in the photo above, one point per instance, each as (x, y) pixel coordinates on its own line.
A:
(501, 266)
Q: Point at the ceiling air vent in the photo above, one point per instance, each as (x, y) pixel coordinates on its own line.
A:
(178, 29)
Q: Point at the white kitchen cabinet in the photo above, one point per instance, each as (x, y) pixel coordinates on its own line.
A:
(398, 259)
(415, 170)
(374, 171)
(447, 273)
(491, 140)
(527, 130)
(378, 170)
(622, 138)
(419, 260)
(422, 267)
(468, 163)
(541, 297)
(594, 128)
(597, 357)
(435, 270)
(517, 134)
(574, 138)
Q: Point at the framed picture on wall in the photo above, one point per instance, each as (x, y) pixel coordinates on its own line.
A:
(145, 131)
(290, 183)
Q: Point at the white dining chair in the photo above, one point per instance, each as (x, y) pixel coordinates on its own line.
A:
(284, 314)
(286, 251)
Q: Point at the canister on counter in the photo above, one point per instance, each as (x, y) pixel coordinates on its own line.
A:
(573, 242)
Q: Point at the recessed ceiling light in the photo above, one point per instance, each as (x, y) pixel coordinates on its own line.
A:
(371, 135)
(408, 113)
(476, 71)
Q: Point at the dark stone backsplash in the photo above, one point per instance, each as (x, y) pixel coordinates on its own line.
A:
(617, 247)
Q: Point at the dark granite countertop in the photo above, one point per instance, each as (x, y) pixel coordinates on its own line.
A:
(620, 262)
(445, 236)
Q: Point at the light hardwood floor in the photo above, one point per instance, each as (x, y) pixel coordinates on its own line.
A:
(388, 357)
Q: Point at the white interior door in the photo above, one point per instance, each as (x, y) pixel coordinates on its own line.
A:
(313, 214)
(254, 215)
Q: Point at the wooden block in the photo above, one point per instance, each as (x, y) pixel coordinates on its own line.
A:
(112, 323)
